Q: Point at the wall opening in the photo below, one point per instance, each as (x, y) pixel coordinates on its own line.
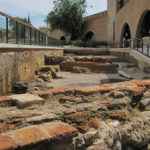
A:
(88, 36)
(143, 29)
(62, 38)
(125, 36)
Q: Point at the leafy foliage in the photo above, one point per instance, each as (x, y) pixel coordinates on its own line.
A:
(67, 16)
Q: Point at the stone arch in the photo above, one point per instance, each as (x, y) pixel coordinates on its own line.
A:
(143, 27)
(88, 36)
(125, 36)
(63, 38)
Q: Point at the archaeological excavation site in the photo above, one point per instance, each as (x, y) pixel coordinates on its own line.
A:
(79, 99)
(77, 80)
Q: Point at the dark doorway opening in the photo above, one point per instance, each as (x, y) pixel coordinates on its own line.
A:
(88, 36)
(125, 36)
(143, 29)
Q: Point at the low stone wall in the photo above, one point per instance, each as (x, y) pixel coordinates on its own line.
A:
(20, 64)
(142, 61)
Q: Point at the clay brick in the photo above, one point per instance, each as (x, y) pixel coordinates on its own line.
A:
(7, 143)
(105, 88)
(29, 135)
(120, 115)
(4, 99)
(78, 117)
(35, 134)
(88, 90)
(55, 91)
(57, 130)
(146, 83)
(94, 123)
(134, 89)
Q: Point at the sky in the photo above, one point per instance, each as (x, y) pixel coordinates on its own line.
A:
(38, 9)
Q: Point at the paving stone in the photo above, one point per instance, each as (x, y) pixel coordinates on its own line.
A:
(25, 100)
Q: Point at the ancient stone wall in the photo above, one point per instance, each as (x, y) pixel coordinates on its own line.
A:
(21, 65)
(98, 25)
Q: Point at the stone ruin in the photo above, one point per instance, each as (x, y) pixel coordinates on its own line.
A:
(111, 114)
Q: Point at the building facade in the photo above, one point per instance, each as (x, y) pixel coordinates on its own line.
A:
(123, 20)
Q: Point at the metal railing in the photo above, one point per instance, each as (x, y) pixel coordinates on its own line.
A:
(142, 46)
(14, 31)
(139, 45)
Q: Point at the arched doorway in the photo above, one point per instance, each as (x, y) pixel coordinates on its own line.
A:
(125, 36)
(143, 29)
(88, 36)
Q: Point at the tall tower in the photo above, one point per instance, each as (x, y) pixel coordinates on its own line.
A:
(112, 11)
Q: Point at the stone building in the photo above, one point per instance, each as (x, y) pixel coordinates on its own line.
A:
(124, 19)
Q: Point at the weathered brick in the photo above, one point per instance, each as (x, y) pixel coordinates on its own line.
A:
(94, 123)
(146, 83)
(4, 99)
(106, 88)
(34, 135)
(29, 135)
(78, 117)
(7, 143)
(57, 130)
(119, 115)
(55, 91)
(87, 90)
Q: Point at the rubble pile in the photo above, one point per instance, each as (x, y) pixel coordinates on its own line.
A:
(103, 117)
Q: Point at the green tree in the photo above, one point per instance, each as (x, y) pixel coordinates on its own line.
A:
(67, 16)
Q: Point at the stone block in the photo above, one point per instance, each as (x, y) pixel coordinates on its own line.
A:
(29, 135)
(32, 136)
(25, 100)
(59, 130)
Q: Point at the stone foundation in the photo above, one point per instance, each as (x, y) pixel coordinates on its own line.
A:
(20, 64)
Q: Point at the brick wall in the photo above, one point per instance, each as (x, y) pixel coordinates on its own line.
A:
(98, 25)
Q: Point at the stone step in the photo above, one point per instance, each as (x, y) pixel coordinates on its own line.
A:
(102, 58)
(86, 51)
(92, 66)
(95, 52)
(39, 137)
